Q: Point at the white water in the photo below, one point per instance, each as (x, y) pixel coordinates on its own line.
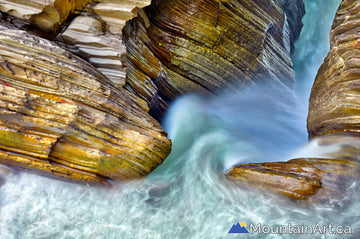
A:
(187, 196)
(313, 44)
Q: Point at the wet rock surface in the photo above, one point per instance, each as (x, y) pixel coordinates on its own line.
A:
(62, 117)
(206, 47)
(295, 10)
(313, 179)
(333, 119)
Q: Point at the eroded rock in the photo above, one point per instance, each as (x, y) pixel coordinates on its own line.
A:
(333, 119)
(324, 178)
(334, 107)
(42, 17)
(96, 36)
(206, 46)
(62, 117)
(312, 179)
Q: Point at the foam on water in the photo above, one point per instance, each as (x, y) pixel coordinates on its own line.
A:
(313, 44)
(187, 196)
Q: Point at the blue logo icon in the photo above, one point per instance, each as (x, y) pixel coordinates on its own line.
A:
(239, 228)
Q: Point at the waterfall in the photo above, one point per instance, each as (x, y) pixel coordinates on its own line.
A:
(188, 196)
(313, 44)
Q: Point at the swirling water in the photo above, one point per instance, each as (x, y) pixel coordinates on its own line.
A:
(187, 196)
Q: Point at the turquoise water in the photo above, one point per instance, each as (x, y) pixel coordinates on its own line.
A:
(313, 44)
(187, 196)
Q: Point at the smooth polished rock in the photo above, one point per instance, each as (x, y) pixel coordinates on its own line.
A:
(329, 177)
(313, 179)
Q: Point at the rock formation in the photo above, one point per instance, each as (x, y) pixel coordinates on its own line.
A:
(60, 116)
(334, 102)
(333, 116)
(42, 17)
(294, 10)
(206, 46)
(96, 36)
(313, 179)
(89, 29)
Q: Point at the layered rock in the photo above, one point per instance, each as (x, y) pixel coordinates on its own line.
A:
(312, 179)
(333, 116)
(43, 17)
(335, 96)
(90, 29)
(96, 35)
(60, 116)
(206, 46)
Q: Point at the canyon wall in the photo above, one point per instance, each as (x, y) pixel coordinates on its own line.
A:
(88, 120)
(207, 47)
(333, 121)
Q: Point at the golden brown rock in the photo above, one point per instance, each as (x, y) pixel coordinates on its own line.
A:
(335, 97)
(207, 47)
(304, 178)
(59, 115)
(46, 17)
(46, 168)
(333, 111)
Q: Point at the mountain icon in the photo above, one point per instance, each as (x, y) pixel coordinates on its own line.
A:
(238, 229)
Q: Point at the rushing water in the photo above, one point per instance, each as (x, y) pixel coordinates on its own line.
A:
(313, 44)
(187, 196)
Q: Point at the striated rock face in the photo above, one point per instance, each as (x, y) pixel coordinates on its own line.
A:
(335, 97)
(313, 179)
(333, 111)
(44, 17)
(207, 47)
(89, 29)
(96, 35)
(62, 117)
